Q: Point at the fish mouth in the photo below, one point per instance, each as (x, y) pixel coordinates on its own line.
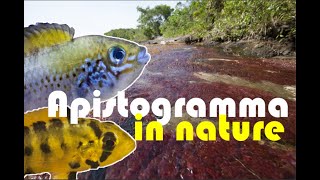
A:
(143, 56)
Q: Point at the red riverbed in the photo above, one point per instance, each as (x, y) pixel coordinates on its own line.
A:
(184, 71)
(194, 71)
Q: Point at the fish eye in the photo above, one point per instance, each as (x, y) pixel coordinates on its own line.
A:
(117, 55)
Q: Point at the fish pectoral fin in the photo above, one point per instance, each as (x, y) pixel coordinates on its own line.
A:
(44, 35)
(65, 175)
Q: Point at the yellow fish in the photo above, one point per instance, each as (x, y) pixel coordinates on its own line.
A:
(62, 149)
(54, 60)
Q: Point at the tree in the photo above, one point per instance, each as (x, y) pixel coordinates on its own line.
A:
(195, 17)
(151, 19)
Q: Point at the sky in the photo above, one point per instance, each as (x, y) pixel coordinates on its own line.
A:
(88, 17)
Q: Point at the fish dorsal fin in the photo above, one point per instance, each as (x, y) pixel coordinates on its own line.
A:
(42, 115)
(45, 35)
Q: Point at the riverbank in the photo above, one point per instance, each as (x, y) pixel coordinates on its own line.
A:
(247, 48)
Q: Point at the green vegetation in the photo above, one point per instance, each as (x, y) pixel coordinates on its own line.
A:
(130, 33)
(256, 19)
(151, 19)
(194, 18)
(217, 20)
(233, 19)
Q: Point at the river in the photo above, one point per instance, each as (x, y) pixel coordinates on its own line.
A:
(189, 71)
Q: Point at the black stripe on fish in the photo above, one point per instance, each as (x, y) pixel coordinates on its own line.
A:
(26, 130)
(39, 126)
(28, 151)
(72, 175)
(109, 136)
(63, 146)
(104, 156)
(108, 145)
(95, 128)
(45, 148)
(74, 165)
(56, 123)
(109, 140)
(92, 164)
